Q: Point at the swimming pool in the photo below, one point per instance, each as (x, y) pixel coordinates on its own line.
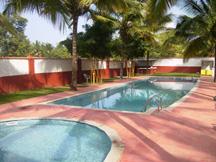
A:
(52, 140)
(134, 96)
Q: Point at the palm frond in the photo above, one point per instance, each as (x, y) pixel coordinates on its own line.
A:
(194, 7)
(109, 5)
(51, 10)
(157, 8)
(212, 4)
(197, 47)
(4, 23)
(189, 27)
(105, 18)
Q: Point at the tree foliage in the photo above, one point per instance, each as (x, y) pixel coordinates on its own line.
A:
(19, 45)
(48, 51)
(14, 45)
(199, 31)
(95, 42)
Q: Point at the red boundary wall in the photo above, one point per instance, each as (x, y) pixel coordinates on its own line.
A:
(23, 82)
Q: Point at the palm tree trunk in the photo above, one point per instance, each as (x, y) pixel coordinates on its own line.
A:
(73, 84)
(147, 58)
(215, 65)
(121, 69)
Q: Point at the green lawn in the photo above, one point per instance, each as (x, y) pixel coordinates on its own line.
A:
(177, 74)
(5, 98)
(110, 80)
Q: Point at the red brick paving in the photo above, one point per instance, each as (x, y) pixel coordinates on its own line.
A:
(185, 134)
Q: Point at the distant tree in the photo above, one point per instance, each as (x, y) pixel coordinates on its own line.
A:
(48, 51)
(60, 51)
(98, 38)
(41, 49)
(14, 45)
(95, 42)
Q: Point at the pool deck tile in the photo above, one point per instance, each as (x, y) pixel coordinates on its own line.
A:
(186, 133)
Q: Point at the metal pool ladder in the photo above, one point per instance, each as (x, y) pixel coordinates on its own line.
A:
(158, 101)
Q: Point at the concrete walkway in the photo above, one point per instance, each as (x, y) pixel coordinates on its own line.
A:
(185, 134)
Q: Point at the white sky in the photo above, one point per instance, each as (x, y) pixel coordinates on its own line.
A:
(43, 30)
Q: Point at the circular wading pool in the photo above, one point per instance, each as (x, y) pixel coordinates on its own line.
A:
(52, 141)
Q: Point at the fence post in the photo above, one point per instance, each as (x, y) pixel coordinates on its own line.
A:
(107, 70)
(79, 71)
(31, 65)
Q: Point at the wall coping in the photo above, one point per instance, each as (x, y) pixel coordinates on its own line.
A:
(137, 59)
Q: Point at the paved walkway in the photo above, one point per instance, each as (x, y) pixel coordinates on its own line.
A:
(184, 134)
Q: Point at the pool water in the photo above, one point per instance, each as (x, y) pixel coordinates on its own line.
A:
(52, 141)
(133, 96)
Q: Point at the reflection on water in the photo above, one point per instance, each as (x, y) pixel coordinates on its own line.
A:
(131, 97)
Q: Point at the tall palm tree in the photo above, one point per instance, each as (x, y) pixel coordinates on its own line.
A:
(199, 31)
(66, 12)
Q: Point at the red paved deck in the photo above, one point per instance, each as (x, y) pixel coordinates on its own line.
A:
(185, 134)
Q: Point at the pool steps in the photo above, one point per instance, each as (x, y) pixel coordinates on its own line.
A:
(158, 101)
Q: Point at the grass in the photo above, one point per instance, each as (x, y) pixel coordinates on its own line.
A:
(110, 80)
(177, 74)
(5, 98)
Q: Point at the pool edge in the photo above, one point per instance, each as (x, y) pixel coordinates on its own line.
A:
(181, 100)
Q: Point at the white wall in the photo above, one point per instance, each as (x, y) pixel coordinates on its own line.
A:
(195, 62)
(102, 64)
(12, 67)
(52, 65)
(115, 65)
(87, 64)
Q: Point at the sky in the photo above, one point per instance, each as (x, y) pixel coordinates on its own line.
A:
(43, 30)
(40, 29)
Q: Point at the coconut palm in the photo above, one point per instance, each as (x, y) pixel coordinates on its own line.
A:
(138, 30)
(5, 23)
(199, 31)
(137, 26)
(66, 12)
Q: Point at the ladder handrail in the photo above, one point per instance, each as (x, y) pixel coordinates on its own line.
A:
(159, 102)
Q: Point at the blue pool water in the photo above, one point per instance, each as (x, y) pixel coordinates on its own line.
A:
(133, 96)
(52, 141)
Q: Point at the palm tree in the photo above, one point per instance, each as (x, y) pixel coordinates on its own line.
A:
(66, 12)
(5, 23)
(199, 31)
(138, 24)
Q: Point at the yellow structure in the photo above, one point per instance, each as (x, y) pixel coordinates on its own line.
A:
(207, 68)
